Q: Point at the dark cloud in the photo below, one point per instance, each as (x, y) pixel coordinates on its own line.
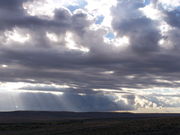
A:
(173, 17)
(131, 22)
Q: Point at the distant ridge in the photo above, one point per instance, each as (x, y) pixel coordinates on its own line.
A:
(29, 116)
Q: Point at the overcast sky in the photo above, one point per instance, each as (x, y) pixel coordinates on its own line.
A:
(89, 55)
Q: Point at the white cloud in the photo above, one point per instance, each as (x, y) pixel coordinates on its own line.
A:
(169, 4)
(4, 66)
(52, 36)
(71, 44)
(17, 35)
(101, 8)
(141, 102)
(170, 101)
(40, 8)
(120, 42)
(45, 8)
(108, 72)
(151, 12)
(13, 86)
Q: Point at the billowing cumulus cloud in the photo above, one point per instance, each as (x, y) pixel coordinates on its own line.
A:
(80, 57)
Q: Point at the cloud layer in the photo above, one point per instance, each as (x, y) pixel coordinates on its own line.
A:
(128, 60)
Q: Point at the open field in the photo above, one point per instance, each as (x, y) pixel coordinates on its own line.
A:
(67, 123)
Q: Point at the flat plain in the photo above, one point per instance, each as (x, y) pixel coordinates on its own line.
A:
(94, 123)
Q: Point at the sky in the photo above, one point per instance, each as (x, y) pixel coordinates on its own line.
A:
(90, 55)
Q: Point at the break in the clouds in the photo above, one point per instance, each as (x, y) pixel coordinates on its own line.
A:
(88, 55)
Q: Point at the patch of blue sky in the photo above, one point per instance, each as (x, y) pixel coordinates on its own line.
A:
(81, 4)
(99, 19)
(178, 8)
(110, 35)
(177, 14)
(147, 2)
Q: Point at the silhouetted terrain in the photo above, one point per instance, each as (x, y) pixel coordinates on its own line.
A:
(69, 123)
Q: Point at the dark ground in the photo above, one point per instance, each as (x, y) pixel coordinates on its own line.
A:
(68, 123)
